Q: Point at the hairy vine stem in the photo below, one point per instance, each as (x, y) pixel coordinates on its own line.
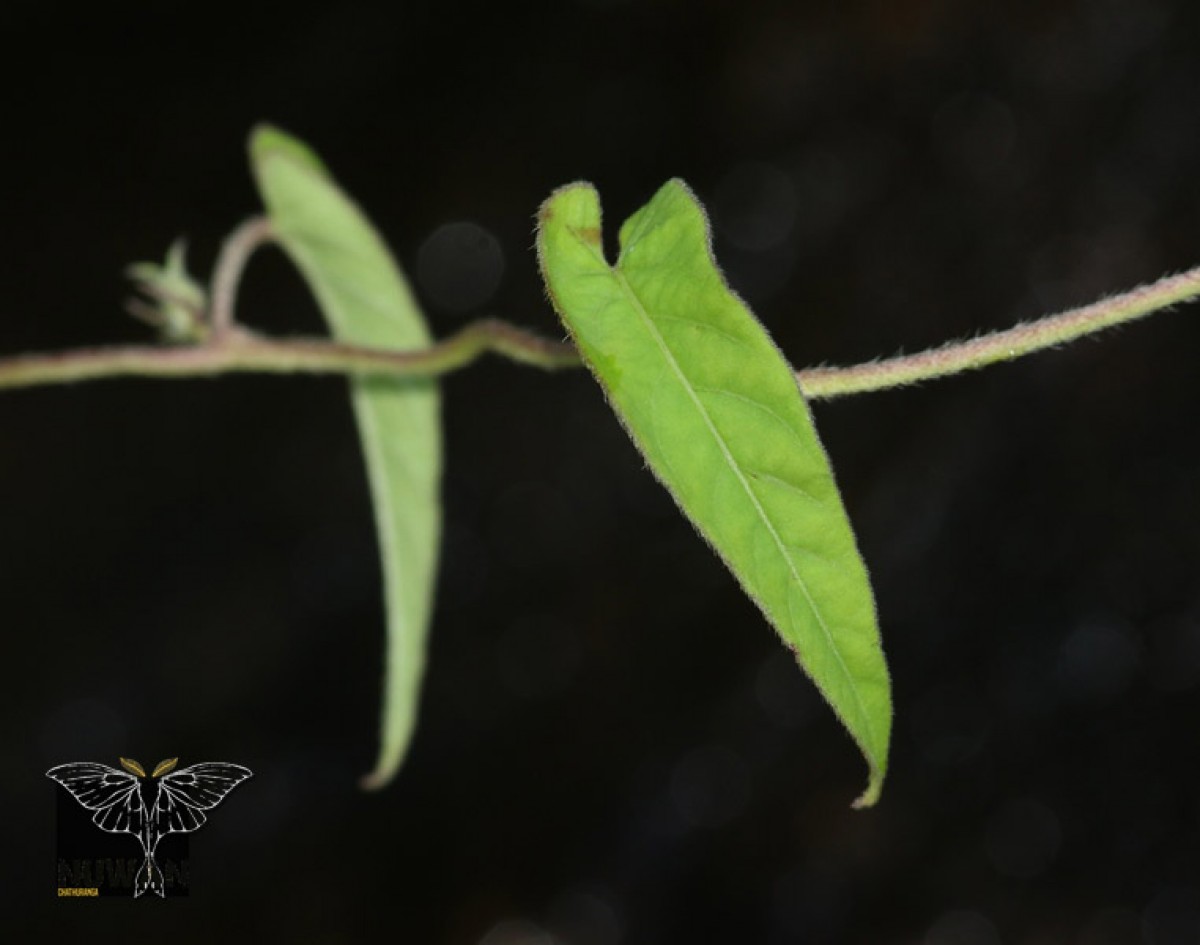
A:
(1007, 345)
(236, 251)
(228, 349)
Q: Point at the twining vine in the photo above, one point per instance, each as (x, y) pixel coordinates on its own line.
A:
(718, 413)
(222, 346)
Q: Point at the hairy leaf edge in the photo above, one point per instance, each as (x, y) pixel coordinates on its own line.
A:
(876, 755)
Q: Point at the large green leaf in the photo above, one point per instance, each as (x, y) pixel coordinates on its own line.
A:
(366, 301)
(715, 408)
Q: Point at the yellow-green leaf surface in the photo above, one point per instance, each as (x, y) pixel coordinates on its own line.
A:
(717, 412)
(366, 300)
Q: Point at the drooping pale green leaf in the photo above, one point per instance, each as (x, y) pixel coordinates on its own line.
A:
(717, 412)
(366, 300)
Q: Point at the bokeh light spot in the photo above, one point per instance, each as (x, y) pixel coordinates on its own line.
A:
(459, 267)
(755, 206)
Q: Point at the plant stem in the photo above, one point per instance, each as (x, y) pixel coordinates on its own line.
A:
(241, 351)
(955, 357)
(230, 350)
(236, 251)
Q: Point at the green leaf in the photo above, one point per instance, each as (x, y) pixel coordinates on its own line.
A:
(366, 300)
(718, 414)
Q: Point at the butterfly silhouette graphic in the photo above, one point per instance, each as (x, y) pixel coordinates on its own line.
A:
(149, 806)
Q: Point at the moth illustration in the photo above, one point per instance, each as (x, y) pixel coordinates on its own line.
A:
(149, 806)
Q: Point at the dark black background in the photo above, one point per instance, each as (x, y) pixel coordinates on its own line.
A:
(613, 747)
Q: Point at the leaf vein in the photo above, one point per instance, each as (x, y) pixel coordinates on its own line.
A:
(777, 480)
(696, 323)
(757, 404)
(673, 364)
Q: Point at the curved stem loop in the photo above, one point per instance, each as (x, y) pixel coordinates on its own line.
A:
(236, 251)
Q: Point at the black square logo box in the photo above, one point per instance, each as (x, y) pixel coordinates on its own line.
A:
(92, 863)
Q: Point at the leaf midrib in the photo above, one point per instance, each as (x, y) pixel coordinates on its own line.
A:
(637, 305)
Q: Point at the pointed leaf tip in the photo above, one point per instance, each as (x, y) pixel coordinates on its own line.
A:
(268, 141)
